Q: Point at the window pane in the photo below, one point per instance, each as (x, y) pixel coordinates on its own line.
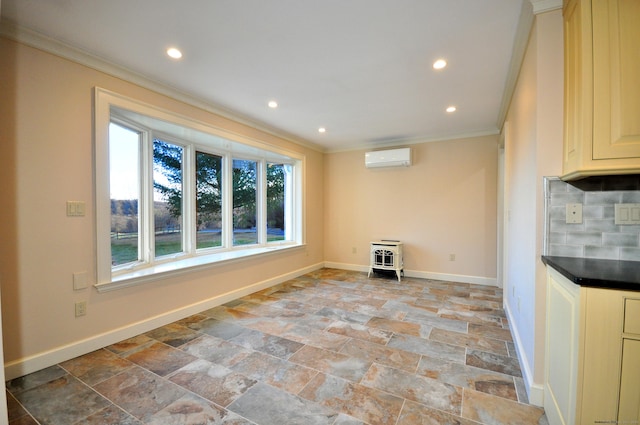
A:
(124, 184)
(208, 200)
(276, 202)
(244, 202)
(167, 197)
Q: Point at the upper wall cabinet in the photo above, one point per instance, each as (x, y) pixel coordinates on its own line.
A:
(602, 88)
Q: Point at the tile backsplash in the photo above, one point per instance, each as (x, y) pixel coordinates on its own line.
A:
(597, 236)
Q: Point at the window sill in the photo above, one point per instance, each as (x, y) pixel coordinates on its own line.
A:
(187, 265)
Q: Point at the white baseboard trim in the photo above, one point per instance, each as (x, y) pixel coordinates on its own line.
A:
(535, 391)
(478, 280)
(346, 266)
(42, 360)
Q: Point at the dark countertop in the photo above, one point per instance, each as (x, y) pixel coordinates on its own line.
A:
(612, 274)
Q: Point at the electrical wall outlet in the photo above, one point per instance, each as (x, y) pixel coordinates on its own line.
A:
(452, 257)
(81, 308)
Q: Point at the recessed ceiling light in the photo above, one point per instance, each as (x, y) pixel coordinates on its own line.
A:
(174, 53)
(322, 130)
(439, 64)
(272, 104)
(451, 109)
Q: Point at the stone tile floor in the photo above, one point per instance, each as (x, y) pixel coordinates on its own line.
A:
(331, 347)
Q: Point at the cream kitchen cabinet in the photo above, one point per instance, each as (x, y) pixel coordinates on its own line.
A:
(602, 88)
(592, 372)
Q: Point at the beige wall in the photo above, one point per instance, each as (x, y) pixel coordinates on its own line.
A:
(445, 203)
(46, 139)
(533, 149)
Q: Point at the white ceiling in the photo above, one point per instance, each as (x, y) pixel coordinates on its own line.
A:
(360, 68)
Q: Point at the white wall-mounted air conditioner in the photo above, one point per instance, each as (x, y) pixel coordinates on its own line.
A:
(388, 158)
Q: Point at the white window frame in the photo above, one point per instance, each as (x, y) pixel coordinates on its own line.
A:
(110, 106)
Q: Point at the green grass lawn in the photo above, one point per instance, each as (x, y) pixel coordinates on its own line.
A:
(125, 249)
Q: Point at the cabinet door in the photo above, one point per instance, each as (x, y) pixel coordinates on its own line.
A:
(577, 85)
(629, 407)
(616, 85)
(562, 349)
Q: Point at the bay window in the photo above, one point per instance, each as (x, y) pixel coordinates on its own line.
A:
(174, 194)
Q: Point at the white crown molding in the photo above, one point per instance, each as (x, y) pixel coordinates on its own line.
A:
(541, 6)
(414, 141)
(47, 44)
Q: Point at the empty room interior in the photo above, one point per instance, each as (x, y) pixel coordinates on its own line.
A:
(341, 213)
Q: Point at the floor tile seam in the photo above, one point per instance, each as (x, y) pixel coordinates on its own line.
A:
(479, 369)
(193, 393)
(290, 355)
(494, 354)
(356, 384)
(138, 348)
(365, 294)
(24, 408)
(404, 400)
(167, 381)
(404, 403)
(484, 350)
(434, 326)
(415, 370)
(171, 348)
(394, 332)
(462, 410)
(130, 366)
(274, 305)
(484, 337)
(18, 391)
(232, 368)
(504, 399)
(517, 360)
(515, 385)
(253, 351)
(475, 315)
(407, 351)
(313, 315)
(349, 416)
(246, 329)
(224, 408)
(446, 412)
(112, 403)
(494, 337)
(426, 378)
(81, 421)
(318, 371)
(511, 377)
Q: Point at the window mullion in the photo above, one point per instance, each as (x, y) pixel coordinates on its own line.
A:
(261, 200)
(147, 234)
(227, 202)
(189, 200)
(289, 202)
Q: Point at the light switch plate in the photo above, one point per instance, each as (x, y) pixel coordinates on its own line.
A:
(574, 213)
(80, 280)
(627, 214)
(75, 208)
